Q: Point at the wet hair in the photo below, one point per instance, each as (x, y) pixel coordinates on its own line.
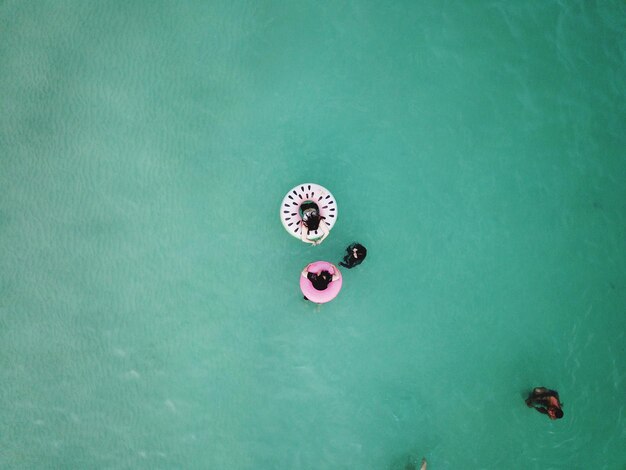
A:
(558, 413)
(320, 281)
(361, 251)
(312, 221)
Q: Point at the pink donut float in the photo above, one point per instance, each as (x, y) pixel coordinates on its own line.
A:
(320, 296)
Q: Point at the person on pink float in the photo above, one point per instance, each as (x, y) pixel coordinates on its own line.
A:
(320, 282)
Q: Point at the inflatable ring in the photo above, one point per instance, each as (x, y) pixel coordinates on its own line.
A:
(308, 192)
(321, 296)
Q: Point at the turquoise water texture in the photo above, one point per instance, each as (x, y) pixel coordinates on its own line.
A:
(150, 315)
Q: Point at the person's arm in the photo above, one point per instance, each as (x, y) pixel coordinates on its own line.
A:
(424, 464)
(335, 273)
(325, 231)
(305, 271)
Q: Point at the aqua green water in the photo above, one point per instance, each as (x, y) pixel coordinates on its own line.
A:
(150, 315)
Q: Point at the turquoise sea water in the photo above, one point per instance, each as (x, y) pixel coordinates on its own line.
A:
(150, 315)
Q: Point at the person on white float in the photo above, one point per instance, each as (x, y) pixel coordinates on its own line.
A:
(312, 220)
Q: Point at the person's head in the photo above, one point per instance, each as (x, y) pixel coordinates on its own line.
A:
(320, 281)
(310, 215)
(555, 413)
(311, 219)
(325, 276)
(359, 251)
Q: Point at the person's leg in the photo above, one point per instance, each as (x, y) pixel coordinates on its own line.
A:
(348, 264)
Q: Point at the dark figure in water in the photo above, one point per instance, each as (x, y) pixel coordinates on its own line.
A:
(356, 253)
(545, 401)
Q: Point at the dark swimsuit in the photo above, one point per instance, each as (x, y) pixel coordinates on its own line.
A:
(349, 261)
(319, 281)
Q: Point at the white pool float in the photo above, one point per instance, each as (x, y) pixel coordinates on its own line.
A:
(308, 192)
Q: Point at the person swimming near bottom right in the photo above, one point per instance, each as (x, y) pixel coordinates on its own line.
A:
(355, 255)
(545, 401)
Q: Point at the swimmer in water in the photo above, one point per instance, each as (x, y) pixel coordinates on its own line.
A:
(545, 401)
(355, 255)
(312, 220)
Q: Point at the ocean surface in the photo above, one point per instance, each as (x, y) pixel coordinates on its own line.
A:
(150, 314)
